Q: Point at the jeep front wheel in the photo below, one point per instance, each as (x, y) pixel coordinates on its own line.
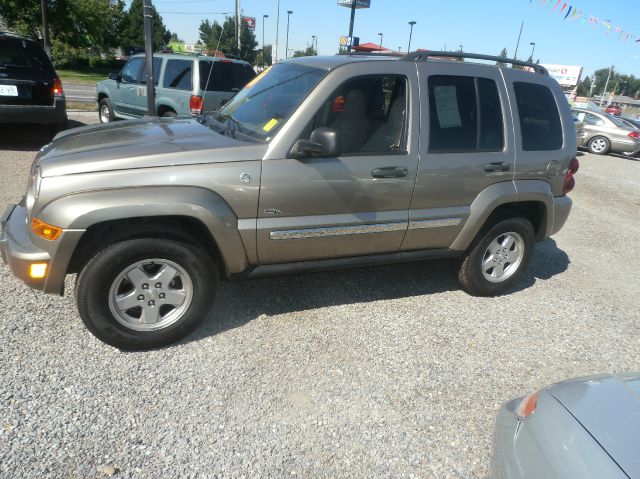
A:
(498, 259)
(146, 293)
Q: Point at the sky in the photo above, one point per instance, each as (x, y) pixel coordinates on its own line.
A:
(480, 26)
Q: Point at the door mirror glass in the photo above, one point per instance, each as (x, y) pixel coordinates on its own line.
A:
(324, 142)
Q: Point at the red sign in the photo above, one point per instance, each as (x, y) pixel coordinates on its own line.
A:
(251, 22)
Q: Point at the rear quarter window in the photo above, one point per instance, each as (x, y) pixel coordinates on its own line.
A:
(540, 124)
(226, 75)
(178, 74)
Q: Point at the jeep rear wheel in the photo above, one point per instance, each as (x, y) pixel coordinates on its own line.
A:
(146, 293)
(499, 257)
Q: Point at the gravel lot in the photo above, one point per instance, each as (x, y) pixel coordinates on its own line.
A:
(380, 372)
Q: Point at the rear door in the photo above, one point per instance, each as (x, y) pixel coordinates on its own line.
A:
(465, 146)
(178, 83)
(26, 74)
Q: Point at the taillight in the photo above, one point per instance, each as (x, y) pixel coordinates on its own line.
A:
(195, 104)
(56, 89)
(527, 406)
(634, 134)
(569, 180)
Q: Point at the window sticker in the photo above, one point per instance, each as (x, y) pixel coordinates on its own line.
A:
(447, 106)
(270, 124)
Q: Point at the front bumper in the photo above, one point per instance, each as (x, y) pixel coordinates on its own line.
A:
(19, 251)
(16, 247)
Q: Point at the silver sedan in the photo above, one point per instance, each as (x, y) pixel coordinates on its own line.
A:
(583, 428)
(605, 133)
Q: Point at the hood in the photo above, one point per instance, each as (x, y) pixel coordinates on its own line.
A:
(140, 144)
(608, 407)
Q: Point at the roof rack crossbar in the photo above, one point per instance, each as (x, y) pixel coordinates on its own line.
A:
(426, 54)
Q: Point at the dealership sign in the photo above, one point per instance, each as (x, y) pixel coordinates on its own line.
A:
(566, 75)
(250, 22)
(358, 3)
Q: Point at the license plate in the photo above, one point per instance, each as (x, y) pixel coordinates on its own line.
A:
(8, 90)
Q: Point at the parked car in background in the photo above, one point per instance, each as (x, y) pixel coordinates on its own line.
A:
(605, 133)
(30, 89)
(614, 110)
(586, 428)
(186, 86)
(633, 122)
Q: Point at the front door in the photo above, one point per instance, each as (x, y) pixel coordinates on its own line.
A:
(356, 203)
(128, 87)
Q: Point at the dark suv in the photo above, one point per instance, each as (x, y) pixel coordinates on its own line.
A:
(30, 90)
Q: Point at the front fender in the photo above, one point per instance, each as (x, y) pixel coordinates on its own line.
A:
(81, 210)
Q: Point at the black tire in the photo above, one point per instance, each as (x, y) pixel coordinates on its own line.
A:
(169, 114)
(105, 111)
(470, 266)
(596, 149)
(94, 288)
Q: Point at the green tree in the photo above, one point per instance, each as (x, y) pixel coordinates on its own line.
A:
(133, 27)
(226, 33)
(307, 52)
(76, 27)
(584, 87)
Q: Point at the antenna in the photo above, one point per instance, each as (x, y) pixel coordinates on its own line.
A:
(213, 61)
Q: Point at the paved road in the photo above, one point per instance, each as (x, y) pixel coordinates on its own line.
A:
(80, 92)
(381, 372)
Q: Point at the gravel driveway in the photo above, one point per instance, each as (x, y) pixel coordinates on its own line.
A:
(381, 372)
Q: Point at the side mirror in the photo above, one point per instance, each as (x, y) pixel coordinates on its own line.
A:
(114, 76)
(323, 142)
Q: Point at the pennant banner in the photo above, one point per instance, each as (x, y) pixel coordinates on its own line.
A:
(571, 13)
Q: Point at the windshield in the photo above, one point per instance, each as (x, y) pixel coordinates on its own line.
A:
(266, 103)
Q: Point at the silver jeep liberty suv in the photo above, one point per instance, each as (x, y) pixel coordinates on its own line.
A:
(319, 163)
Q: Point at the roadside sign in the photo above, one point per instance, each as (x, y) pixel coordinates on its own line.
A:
(250, 22)
(358, 3)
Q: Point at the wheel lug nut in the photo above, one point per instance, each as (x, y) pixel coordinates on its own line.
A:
(140, 297)
(145, 286)
(152, 303)
(158, 285)
(161, 295)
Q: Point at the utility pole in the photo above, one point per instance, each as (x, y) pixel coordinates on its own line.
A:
(264, 63)
(353, 17)
(515, 55)
(238, 25)
(274, 54)
(606, 85)
(289, 12)
(45, 28)
(412, 23)
(147, 14)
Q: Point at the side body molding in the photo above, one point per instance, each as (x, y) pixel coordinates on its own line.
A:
(81, 210)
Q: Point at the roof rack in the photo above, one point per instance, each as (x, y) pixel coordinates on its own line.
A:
(424, 55)
(373, 54)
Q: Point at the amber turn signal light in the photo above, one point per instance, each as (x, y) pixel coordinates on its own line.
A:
(527, 406)
(43, 230)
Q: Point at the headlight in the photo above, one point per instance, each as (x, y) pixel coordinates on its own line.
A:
(33, 189)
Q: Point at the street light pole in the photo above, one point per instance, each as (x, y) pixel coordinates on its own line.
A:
(264, 63)
(275, 51)
(353, 16)
(606, 85)
(147, 15)
(381, 35)
(412, 23)
(286, 49)
(533, 47)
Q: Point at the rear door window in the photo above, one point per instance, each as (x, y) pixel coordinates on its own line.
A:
(226, 76)
(178, 74)
(465, 115)
(131, 71)
(539, 117)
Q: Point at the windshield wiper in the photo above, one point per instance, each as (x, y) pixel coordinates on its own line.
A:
(13, 65)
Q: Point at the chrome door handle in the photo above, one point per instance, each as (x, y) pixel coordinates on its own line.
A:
(496, 166)
(390, 172)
